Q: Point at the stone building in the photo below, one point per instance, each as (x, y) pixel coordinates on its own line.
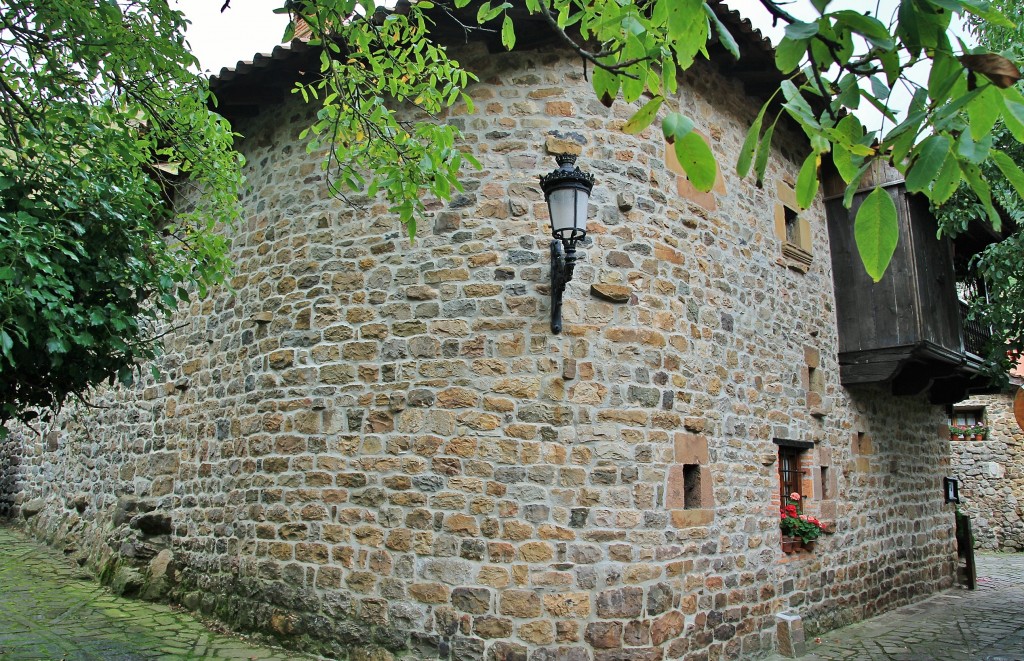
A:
(374, 449)
(991, 472)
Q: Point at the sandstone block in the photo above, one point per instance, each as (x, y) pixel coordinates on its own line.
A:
(520, 603)
(620, 603)
(538, 632)
(490, 626)
(667, 627)
(475, 601)
(604, 635)
(430, 593)
(568, 604)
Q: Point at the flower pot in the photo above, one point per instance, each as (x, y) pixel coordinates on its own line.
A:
(808, 546)
(979, 437)
(789, 544)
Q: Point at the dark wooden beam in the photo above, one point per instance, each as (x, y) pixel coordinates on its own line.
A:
(863, 373)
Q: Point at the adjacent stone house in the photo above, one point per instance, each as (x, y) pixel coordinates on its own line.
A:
(991, 471)
(374, 449)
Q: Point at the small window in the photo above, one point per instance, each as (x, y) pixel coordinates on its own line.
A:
(825, 489)
(691, 487)
(968, 417)
(790, 473)
(967, 424)
(792, 226)
(794, 467)
(861, 443)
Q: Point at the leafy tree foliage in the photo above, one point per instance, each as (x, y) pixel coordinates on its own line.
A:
(1000, 265)
(100, 121)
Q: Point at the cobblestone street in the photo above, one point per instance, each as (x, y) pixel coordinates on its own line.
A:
(986, 624)
(50, 610)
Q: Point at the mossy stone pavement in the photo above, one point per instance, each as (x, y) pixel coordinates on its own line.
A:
(50, 609)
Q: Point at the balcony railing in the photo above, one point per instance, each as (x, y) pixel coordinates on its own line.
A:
(976, 334)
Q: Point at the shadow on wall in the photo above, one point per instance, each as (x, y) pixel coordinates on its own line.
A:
(11, 447)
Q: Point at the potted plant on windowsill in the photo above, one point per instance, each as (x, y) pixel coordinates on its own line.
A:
(798, 530)
(960, 432)
(979, 432)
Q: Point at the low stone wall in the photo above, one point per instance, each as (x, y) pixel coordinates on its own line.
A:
(11, 448)
(991, 474)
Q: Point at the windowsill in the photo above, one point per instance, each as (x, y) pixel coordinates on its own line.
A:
(692, 518)
(796, 257)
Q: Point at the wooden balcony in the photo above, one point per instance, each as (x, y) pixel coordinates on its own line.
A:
(908, 330)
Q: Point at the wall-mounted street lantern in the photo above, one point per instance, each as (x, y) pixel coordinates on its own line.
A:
(567, 192)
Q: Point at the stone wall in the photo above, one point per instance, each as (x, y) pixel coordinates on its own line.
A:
(991, 474)
(376, 448)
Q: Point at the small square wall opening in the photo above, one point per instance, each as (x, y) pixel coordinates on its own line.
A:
(691, 487)
(792, 226)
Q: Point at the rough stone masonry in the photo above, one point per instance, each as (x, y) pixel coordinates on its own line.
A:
(376, 449)
(991, 474)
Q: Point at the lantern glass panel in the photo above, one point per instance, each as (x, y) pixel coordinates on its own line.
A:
(562, 207)
(582, 199)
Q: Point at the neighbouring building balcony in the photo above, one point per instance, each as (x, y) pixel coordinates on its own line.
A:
(976, 334)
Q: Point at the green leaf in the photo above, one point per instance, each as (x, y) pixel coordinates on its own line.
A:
(750, 144)
(676, 126)
(697, 160)
(1010, 170)
(890, 61)
(606, 86)
(876, 232)
(909, 27)
(799, 30)
(983, 112)
(869, 27)
(687, 28)
(797, 105)
(944, 73)
(724, 36)
(985, 12)
(6, 343)
(879, 89)
(807, 180)
(508, 33)
(974, 178)
(486, 12)
(928, 159)
(764, 149)
(642, 118)
(947, 181)
(1014, 115)
(789, 53)
(971, 150)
